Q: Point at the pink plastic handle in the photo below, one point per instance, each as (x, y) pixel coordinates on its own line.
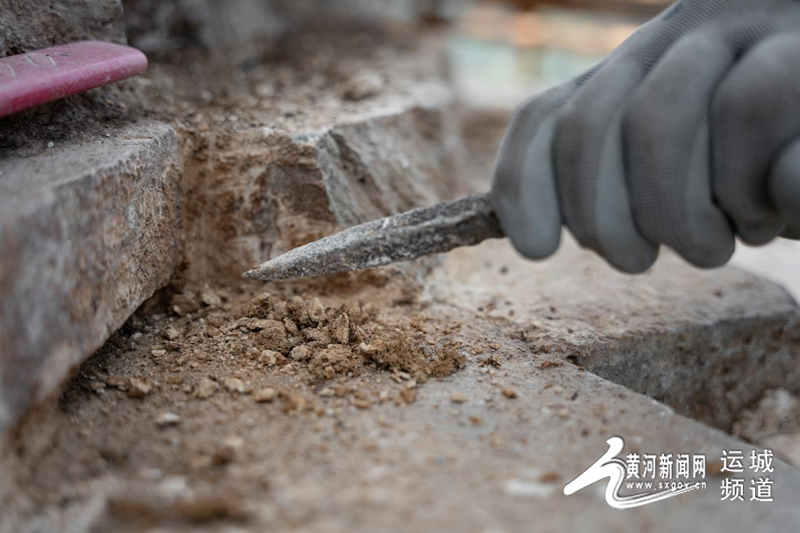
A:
(34, 78)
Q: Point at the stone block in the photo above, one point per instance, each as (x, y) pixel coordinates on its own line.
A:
(707, 343)
(89, 230)
(26, 25)
(242, 29)
(261, 191)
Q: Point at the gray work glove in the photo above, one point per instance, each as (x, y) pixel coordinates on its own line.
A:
(686, 135)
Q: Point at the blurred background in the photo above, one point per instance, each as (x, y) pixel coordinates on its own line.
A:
(502, 52)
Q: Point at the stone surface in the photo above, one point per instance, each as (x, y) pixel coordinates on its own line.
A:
(27, 26)
(159, 26)
(297, 160)
(461, 454)
(89, 231)
(263, 191)
(708, 343)
(242, 29)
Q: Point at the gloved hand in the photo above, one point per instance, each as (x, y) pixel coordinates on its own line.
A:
(686, 135)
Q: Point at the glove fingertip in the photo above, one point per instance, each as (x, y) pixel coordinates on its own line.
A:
(791, 233)
(761, 233)
(632, 256)
(534, 230)
(709, 258)
(536, 245)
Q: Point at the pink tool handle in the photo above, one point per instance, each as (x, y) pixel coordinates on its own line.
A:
(34, 78)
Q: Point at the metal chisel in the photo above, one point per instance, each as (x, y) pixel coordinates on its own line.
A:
(402, 237)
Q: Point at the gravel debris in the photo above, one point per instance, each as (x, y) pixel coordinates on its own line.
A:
(167, 419)
(170, 333)
(509, 393)
(235, 385)
(206, 388)
(458, 397)
(210, 298)
(139, 387)
(265, 395)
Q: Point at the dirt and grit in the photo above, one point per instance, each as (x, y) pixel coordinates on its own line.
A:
(205, 388)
